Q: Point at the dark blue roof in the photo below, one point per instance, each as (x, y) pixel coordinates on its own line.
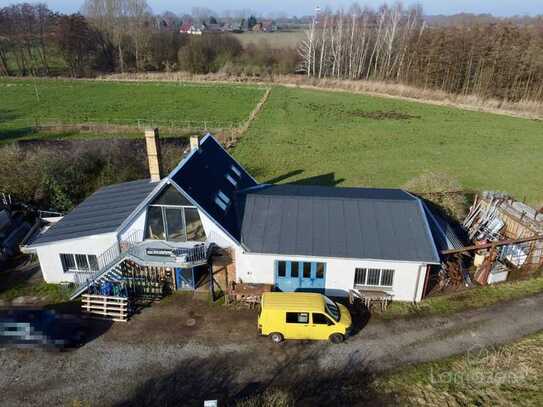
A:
(102, 212)
(204, 173)
(361, 223)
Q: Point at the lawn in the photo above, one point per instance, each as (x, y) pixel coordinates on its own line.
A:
(336, 138)
(463, 300)
(311, 136)
(124, 103)
(504, 376)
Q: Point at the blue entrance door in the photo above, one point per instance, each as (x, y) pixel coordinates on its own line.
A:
(300, 276)
(184, 278)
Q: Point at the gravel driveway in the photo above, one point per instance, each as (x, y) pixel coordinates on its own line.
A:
(161, 358)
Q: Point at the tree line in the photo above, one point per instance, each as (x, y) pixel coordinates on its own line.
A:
(483, 56)
(121, 36)
(501, 59)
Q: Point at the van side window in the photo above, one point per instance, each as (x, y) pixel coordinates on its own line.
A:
(297, 318)
(321, 319)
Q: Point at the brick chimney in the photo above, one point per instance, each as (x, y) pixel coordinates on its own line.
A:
(194, 143)
(153, 154)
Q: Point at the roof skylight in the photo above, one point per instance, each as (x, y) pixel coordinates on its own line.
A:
(231, 180)
(223, 196)
(220, 203)
(236, 170)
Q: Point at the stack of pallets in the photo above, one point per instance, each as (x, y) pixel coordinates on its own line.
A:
(114, 308)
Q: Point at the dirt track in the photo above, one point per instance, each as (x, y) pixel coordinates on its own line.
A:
(158, 359)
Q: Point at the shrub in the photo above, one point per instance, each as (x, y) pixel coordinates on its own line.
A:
(443, 191)
(208, 53)
(60, 175)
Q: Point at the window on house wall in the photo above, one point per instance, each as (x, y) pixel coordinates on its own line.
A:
(307, 270)
(78, 262)
(155, 223)
(81, 262)
(194, 226)
(387, 277)
(294, 269)
(175, 224)
(374, 277)
(171, 196)
(360, 277)
(320, 270)
(173, 218)
(281, 268)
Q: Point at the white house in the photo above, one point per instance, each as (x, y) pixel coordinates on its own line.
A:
(295, 237)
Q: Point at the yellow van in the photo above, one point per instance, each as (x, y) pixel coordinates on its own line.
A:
(303, 316)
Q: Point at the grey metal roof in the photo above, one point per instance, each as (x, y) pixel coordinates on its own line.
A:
(447, 235)
(364, 223)
(102, 212)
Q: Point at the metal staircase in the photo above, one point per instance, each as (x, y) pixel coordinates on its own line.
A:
(112, 260)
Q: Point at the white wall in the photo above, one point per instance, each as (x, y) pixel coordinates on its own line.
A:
(49, 255)
(138, 223)
(408, 282)
(214, 233)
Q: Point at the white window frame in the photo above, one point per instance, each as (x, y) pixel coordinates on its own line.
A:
(76, 268)
(381, 275)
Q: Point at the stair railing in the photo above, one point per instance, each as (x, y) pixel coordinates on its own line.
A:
(105, 260)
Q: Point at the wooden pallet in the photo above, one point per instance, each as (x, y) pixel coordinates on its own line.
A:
(114, 308)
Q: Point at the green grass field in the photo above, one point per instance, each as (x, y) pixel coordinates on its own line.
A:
(125, 103)
(346, 139)
(323, 137)
(498, 376)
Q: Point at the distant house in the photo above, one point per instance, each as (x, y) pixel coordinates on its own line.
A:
(265, 26)
(189, 28)
(291, 237)
(213, 28)
(268, 26)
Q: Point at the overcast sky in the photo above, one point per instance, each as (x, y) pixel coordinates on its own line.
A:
(305, 7)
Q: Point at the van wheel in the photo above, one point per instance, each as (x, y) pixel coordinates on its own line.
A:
(336, 338)
(276, 337)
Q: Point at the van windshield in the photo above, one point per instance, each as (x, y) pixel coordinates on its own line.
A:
(332, 309)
